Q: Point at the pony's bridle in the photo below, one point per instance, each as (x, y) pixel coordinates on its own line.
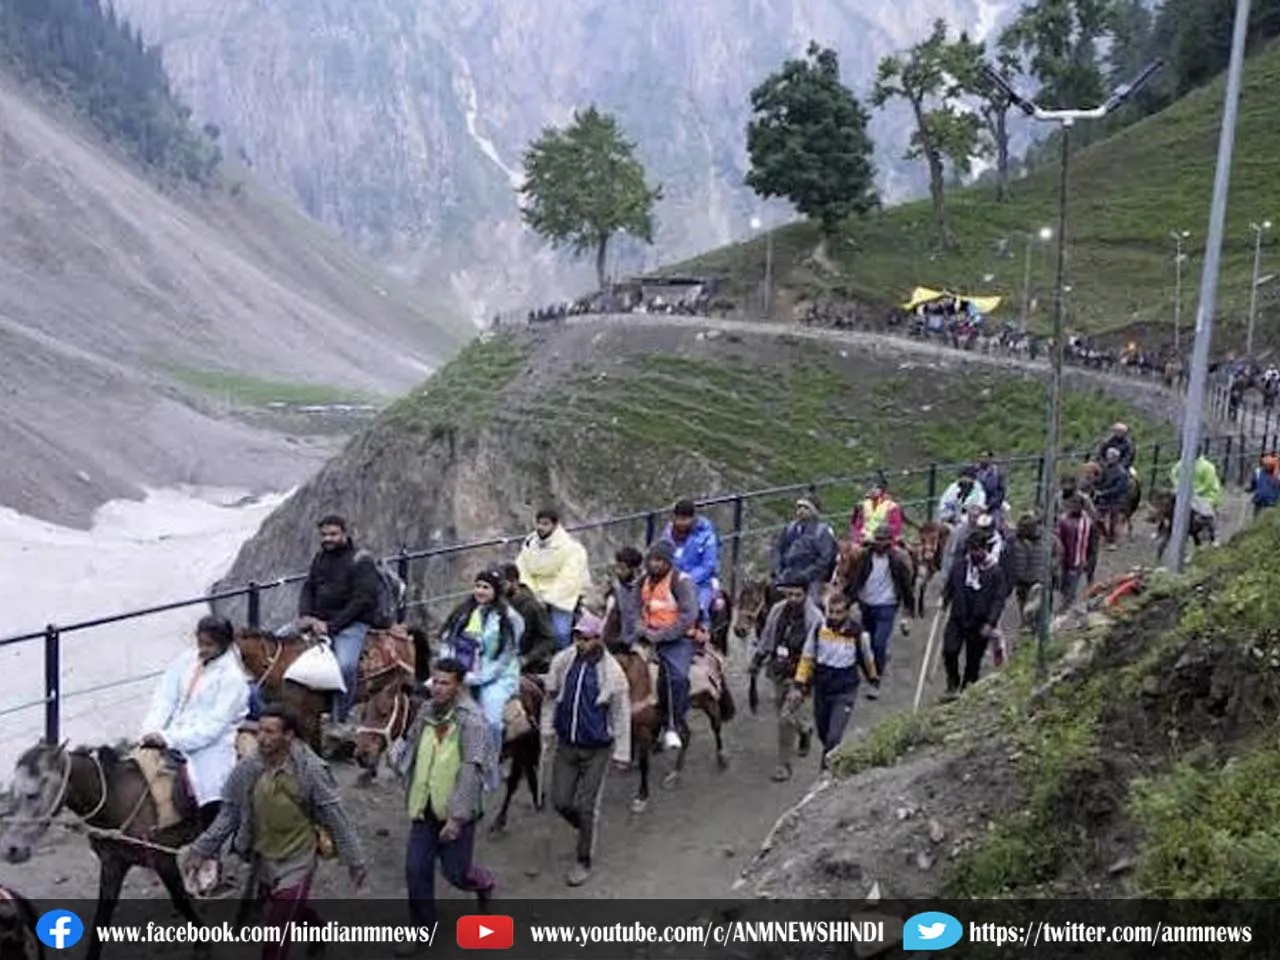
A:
(399, 706)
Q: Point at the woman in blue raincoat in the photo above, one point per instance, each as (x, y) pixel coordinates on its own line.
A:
(483, 632)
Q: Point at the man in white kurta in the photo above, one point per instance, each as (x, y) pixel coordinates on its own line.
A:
(200, 703)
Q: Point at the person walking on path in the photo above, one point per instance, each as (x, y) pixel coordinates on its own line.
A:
(282, 811)
(789, 627)
(588, 719)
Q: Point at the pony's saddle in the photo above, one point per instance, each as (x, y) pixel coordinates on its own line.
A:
(706, 672)
(166, 774)
(516, 718)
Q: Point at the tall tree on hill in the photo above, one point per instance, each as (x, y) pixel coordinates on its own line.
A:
(807, 141)
(1062, 40)
(583, 184)
(993, 104)
(927, 78)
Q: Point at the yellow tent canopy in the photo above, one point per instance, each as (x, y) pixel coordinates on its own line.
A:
(922, 295)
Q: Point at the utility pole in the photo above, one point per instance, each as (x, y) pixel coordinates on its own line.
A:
(766, 292)
(1045, 234)
(1178, 237)
(1258, 230)
(1065, 119)
(1193, 413)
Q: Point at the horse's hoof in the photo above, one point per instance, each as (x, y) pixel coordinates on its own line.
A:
(722, 762)
(497, 828)
(639, 804)
(671, 779)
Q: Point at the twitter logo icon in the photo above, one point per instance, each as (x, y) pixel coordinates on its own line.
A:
(931, 931)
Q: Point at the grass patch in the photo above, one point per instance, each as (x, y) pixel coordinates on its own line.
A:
(888, 742)
(462, 394)
(243, 390)
(1126, 194)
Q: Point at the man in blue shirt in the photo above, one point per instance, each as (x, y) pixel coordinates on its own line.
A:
(697, 551)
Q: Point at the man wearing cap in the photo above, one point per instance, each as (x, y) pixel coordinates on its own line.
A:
(789, 628)
(881, 587)
(668, 617)
(588, 718)
(964, 493)
(974, 592)
(806, 550)
(697, 550)
(1121, 441)
(877, 510)
(991, 478)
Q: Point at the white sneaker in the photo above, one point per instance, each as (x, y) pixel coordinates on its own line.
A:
(671, 740)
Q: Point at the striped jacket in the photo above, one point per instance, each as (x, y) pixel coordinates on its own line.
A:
(843, 649)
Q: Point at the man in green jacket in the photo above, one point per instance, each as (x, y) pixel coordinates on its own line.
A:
(1206, 490)
(442, 759)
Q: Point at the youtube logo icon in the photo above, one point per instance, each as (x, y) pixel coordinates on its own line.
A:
(486, 932)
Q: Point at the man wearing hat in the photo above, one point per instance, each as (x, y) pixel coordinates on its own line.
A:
(806, 550)
(1121, 441)
(668, 617)
(877, 510)
(964, 493)
(588, 718)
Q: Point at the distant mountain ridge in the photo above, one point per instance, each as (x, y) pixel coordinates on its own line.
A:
(402, 124)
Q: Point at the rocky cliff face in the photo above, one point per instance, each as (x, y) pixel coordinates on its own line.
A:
(403, 123)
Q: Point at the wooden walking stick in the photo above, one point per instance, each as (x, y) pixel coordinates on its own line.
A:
(928, 658)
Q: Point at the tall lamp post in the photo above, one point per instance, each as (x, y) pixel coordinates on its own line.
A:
(766, 296)
(1045, 234)
(1065, 119)
(1258, 230)
(1179, 258)
(1199, 371)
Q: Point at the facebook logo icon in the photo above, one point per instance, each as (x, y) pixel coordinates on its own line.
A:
(60, 929)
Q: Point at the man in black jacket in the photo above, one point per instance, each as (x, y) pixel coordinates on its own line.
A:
(975, 593)
(538, 643)
(806, 550)
(339, 600)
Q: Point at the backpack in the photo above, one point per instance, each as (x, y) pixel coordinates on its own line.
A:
(391, 590)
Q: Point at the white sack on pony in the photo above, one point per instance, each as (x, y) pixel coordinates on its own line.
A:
(317, 669)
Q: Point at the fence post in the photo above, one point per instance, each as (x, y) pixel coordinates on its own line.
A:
(52, 674)
(1226, 457)
(650, 528)
(402, 571)
(254, 593)
(932, 493)
(1155, 468)
(1039, 475)
(1241, 462)
(735, 551)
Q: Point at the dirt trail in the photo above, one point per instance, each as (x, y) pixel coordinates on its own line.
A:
(692, 841)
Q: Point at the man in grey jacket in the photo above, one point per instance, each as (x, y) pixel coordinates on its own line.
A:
(443, 758)
(806, 549)
(282, 807)
(791, 623)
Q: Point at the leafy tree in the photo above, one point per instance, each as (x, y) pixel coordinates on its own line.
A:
(927, 78)
(807, 141)
(993, 101)
(1062, 40)
(583, 184)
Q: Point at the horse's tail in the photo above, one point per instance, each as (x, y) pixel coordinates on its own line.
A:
(728, 708)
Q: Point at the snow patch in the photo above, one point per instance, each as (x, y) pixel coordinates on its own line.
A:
(170, 546)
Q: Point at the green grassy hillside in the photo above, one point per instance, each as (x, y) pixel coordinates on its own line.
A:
(1127, 194)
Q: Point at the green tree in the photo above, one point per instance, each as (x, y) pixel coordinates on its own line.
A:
(927, 78)
(807, 141)
(583, 184)
(1061, 40)
(993, 101)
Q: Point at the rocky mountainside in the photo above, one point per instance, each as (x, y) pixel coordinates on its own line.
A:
(403, 123)
(133, 321)
(612, 415)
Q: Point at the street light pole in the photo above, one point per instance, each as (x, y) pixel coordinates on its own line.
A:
(1193, 412)
(1178, 237)
(766, 294)
(1048, 493)
(1258, 230)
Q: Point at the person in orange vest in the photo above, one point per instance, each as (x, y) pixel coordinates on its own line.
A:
(878, 510)
(668, 617)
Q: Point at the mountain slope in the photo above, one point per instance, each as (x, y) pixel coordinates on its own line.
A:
(614, 415)
(124, 311)
(1127, 194)
(403, 123)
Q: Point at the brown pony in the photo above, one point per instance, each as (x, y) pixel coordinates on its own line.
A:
(1160, 513)
(928, 554)
(389, 657)
(391, 711)
(647, 721)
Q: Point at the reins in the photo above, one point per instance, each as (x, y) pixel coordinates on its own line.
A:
(399, 705)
